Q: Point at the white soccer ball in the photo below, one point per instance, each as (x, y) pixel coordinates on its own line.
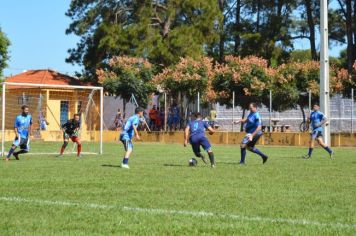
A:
(193, 162)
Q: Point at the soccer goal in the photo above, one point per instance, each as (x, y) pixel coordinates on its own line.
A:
(50, 107)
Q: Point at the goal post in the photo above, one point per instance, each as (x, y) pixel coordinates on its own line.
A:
(51, 106)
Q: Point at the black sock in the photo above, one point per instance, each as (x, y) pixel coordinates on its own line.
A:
(20, 152)
(211, 157)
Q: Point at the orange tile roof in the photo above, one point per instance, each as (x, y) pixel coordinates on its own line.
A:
(46, 77)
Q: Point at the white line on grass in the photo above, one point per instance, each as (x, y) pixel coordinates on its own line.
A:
(158, 211)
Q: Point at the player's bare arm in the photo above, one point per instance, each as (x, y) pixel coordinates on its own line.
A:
(211, 129)
(259, 128)
(240, 121)
(136, 132)
(16, 133)
(186, 135)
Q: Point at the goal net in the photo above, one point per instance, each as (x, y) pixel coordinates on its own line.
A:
(50, 107)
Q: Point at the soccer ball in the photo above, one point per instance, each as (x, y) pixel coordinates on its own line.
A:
(193, 162)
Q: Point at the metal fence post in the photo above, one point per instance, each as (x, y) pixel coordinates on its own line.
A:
(233, 110)
(270, 111)
(352, 110)
(198, 102)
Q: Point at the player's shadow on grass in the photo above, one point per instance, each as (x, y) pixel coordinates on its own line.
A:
(227, 163)
(174, 165)
(114, 166)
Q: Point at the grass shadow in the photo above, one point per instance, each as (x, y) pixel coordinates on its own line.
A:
(174, 165)
(115, 166)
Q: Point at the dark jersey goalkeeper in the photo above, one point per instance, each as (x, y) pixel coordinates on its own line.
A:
(70, 131)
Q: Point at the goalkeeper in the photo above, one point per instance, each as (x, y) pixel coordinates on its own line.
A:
(70, 131)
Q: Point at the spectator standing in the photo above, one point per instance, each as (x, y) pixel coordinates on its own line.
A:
(153, 113)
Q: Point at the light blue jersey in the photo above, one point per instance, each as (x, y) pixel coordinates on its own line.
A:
(128, 130)
(23, 123)
(253, 121)
(316, 117)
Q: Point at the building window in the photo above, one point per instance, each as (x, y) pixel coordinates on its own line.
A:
(64, 112)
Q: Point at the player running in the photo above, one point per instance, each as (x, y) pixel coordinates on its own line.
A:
(253, 128)
(70, 131)
(22, 127)
(317, 120)
(127, 134)
(195, 132)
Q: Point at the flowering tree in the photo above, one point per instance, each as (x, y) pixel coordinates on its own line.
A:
(188, 78)
(300, 77)
(250, 78)
(127, 76)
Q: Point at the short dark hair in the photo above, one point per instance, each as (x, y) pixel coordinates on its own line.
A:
(197, 115)
(316, 104)
(23, 107)
(138, 110)
(253, 104)
(76, 114)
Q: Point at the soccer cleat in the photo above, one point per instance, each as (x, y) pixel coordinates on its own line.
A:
(16, 155)
(265, 158)
(213, 166)
(202, 157)
(306, 157)
(331, 155)
(60, 155)
(242, 163)
(125, 166)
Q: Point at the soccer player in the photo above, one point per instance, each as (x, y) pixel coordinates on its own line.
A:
(22, 127)
(253, 128)
(70, 131)
(127, 134)
(317, 120)
(195, 132)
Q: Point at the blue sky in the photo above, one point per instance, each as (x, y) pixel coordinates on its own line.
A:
(36, 30)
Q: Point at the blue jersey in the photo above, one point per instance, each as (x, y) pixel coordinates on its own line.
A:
(316, 117)
(128, 130)
(175, 111)
(252, 122)
(197, 128)
(23, 123)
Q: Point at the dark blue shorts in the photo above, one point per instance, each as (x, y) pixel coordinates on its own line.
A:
(23, 143)
(196, 142)
(252, 143)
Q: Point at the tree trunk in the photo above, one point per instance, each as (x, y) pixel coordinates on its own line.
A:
(349, 36)
(124, 102)
(354, 33)
(237, 27)
(303, 112)
(258, 16)
(311, 25)
(243, 116)
(222, 33)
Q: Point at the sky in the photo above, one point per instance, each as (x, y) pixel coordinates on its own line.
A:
(36, 30)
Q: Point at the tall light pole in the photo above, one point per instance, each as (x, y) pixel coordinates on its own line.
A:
(324, 67)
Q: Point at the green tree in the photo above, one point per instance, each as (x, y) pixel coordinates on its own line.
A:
(161, 31)
(127, 76)
(4, 54)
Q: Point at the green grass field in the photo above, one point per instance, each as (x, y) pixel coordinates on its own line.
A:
(161, 195)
